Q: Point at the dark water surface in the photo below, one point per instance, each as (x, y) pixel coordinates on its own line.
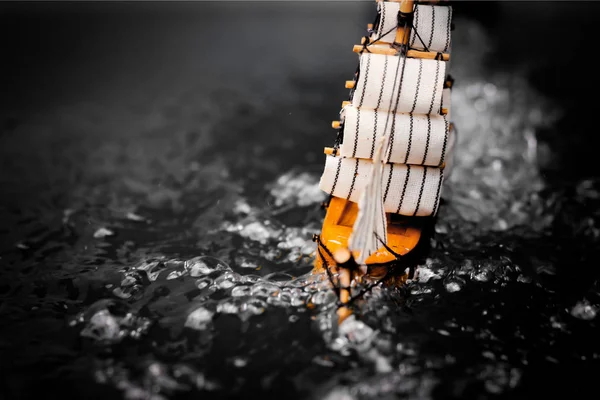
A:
(159, 170)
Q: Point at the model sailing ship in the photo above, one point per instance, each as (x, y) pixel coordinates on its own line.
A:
(394, 146)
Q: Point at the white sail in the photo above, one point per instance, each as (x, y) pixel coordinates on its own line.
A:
(407, 190)
(418, 139)
(385, 31)
(433, 25)
(421, 82)
(431, 22)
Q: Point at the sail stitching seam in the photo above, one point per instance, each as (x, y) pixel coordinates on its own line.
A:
(410, 135)
(428, 138)
(416, 23)
(353, 180)
(421, 191)
(382, 23)
(437, 195)
(448, 27)
(445, 140)
(437, 78)
(337, 175)
(385, 64)
(404, 188)
(360, 103)
(432, 26)
(389, 181)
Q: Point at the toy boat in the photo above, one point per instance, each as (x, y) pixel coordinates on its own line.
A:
(385, 172)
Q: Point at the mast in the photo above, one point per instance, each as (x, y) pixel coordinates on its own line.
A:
(394, 140)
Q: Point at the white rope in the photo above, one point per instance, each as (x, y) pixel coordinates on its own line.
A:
(370, 226)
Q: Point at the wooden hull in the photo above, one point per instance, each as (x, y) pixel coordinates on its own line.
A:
(403, 235)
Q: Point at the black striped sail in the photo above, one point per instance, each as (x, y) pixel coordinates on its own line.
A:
(403, 98)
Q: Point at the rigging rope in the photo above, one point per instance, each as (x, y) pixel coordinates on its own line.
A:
(403, 49)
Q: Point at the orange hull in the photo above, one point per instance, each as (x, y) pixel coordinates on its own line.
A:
(403, 235)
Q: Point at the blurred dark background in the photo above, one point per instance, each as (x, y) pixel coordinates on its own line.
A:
(58, 53)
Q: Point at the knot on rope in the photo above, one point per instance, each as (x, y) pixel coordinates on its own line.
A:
(365, 42)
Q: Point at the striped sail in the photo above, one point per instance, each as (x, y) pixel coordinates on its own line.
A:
(421, 83)
(404, 100)
(412, 190)
(431, 29)
(417, 139)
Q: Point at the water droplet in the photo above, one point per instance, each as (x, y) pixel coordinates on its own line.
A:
(227, 308)
(453, 287)
(254, 306)
(203, 282)
(174, 275)
(204, 265)
(240, 362)
(264, 289)
(240, 291)
(227, 280)
(322, 297)
(199, 319)
(584, 310)
(110, 321)
(482, 276)
(103, 232)
(134, 217)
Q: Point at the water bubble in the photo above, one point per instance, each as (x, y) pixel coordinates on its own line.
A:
(199, 319)
(264, 289)
(205, 265)
(134, 217)
(249, 278)
(424, 274)
(482, 276)
(228, 307)
(203, 282)
(241, 207)
(110, 321)
(258, 231)
(278, 277)
(102, 325)
(103, 232)
(323, 297)
(584, 310)
(174, 275)
(153, 269)
(454, 284)
(523, 279)
(227, 280)
(297, 297)
(253, 306)
(240, 291)
(281, 299)
(240, 362)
